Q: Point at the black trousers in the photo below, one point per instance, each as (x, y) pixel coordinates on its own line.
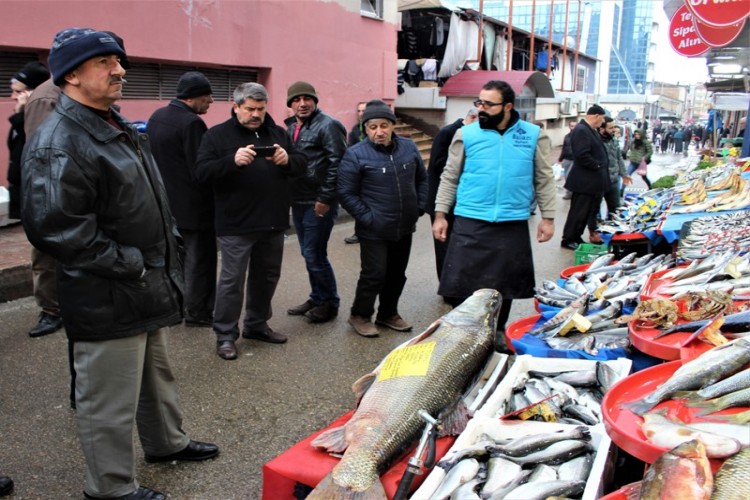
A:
(441, 247)
(613, 200)
(200, 273)
(581, 206)
(382, 275)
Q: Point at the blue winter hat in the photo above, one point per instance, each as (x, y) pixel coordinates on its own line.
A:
(73, 46)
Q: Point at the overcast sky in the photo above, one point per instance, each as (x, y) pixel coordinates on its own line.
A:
(672, 67)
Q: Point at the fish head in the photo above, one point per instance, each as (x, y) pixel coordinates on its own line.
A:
(482, 308)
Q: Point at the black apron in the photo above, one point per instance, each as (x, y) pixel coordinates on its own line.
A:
(488, 255)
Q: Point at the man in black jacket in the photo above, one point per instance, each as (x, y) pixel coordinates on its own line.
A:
(252, 200)
(322, 140)
(176, 131)
(589, 177)
(95, 202)
(566, 156)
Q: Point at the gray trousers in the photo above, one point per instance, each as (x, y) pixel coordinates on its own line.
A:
(119, 383)
(200, 273)
(44, 274)
(258, 256)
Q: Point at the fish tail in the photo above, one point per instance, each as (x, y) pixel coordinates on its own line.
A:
(690, 395)
(327, 489)
(639, 407)
(707, 406)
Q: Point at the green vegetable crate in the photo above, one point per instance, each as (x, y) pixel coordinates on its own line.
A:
(587, 252)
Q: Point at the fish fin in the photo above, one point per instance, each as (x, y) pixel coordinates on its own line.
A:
(691, 395)
(331, 440)
(639, 407)
(454, 420)
(362, 385)
(327, 489)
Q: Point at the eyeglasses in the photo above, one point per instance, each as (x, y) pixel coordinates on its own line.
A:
(486, 104)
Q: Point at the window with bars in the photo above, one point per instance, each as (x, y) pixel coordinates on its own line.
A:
(152, 81)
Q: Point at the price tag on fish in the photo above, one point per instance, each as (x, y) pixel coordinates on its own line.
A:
(408, 361)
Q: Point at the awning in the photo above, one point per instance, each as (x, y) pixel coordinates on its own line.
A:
(424, 4)
(469, 83)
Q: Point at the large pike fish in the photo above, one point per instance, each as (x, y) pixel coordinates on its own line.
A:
(429, 372)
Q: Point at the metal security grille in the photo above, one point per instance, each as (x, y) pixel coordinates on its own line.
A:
(10, 63)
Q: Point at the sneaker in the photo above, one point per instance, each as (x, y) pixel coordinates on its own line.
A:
(301, 309)
(350, 240)
(322, 313)
(570, 245)
(363, 326)
(47, 324)
(595, 238)
(395, 322)
(267, 335)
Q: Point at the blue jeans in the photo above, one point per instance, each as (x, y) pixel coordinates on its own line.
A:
(313, 233)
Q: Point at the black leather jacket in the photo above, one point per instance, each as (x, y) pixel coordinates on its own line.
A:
(322, 140)
(95, 202)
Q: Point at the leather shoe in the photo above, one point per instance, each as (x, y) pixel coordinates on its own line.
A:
(351, 240)
(139, 494)
(395, 322)
(570, 245)
(6, 485)
(595, 238)
(363, 326)
(301, 309)
(195, 451)
(47, 324)
(226, 349)
(267, 335)
(322, 313)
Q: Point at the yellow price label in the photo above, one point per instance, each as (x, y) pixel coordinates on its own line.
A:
(408, 361)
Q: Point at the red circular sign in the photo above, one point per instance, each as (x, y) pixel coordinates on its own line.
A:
(718, 36)
(683, 35)
(720, 12)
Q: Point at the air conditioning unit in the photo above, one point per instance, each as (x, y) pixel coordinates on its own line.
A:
(565, 106)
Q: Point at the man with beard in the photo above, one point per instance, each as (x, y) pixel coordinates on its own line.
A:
(495, 168)
(252, 201)
(616, 171)
(589, 176)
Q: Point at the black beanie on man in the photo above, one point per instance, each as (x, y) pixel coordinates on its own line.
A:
(193, 84)
(300, 88)
(74, 46)
(32, 75)
(378, 109)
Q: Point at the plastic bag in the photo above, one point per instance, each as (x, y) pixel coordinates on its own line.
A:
(642, 168)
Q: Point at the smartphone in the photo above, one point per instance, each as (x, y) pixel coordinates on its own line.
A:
(264, 151)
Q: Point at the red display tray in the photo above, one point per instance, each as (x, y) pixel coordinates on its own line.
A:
(569, 271)
(668, 347)
(519, 328)
(624, 426)
(650, 289)
(623, 493)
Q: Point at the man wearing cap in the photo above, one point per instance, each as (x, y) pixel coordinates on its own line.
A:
(588, 179)
(383, 184)
(252, 201)
(95, 202)
(322, 140)
(176, 131)
(496, 167)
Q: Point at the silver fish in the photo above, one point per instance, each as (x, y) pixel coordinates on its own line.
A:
(740, 380)
(502, 491)
(582, 413)
(542, 473)
(468, 490)
(540, 491)
(577, 469)
(453, 349)
(731, 400)
(534, 442)
(556, 453)
(500, 474)
(463, 472)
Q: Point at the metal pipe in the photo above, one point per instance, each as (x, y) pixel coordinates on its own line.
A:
(565, 46)
(509, 48)
(531, 48)
(578, 44)
(549, 36)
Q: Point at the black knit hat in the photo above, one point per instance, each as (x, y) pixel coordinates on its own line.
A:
(32, 75)
(300, 88)
(378, 109)
(73, 46)
(193, 84)
(596, 110)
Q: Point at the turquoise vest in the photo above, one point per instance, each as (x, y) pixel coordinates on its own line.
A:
(497, 182)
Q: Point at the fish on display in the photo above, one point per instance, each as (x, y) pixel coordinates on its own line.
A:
(664, 433)
(502, 477)
(681, 473)
(736, 322)
(706, 369)
(739, 432)
(535, 442)
(556, 453)
(732, 482)
(463, 472)
(731, 400)
(576, 469)
(430, 373)
(543, 490)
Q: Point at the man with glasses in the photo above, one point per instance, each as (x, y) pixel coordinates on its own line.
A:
(495, 168)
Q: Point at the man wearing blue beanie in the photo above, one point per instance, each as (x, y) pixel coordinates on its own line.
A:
(95, 202)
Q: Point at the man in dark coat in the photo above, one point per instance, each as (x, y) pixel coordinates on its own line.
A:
(95, 202)
(589, 177)
(176, 131)
(252, 201)
(356, 134)
(438, 158)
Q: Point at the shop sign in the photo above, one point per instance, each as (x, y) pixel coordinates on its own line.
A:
(683, 35)
(718, 36)
(719, 12)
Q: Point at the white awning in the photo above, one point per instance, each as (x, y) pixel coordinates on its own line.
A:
(424, 4)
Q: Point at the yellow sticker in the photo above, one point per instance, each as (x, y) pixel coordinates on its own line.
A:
(408, 361)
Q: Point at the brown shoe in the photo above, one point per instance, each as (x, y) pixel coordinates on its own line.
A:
(595, 238)
(226, 350)
(267, 335)
(395, 322)
(322, 313)
(301, 309)
(363, 326)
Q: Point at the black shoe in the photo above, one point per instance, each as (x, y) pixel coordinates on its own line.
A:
(199, 322)
(47, 324)
(226, 349)
(267, 335)
(350, 240)
(195, 451)
(322, 313)
(301, 309)
(139, 494)
(570, 245)
(6, 485)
